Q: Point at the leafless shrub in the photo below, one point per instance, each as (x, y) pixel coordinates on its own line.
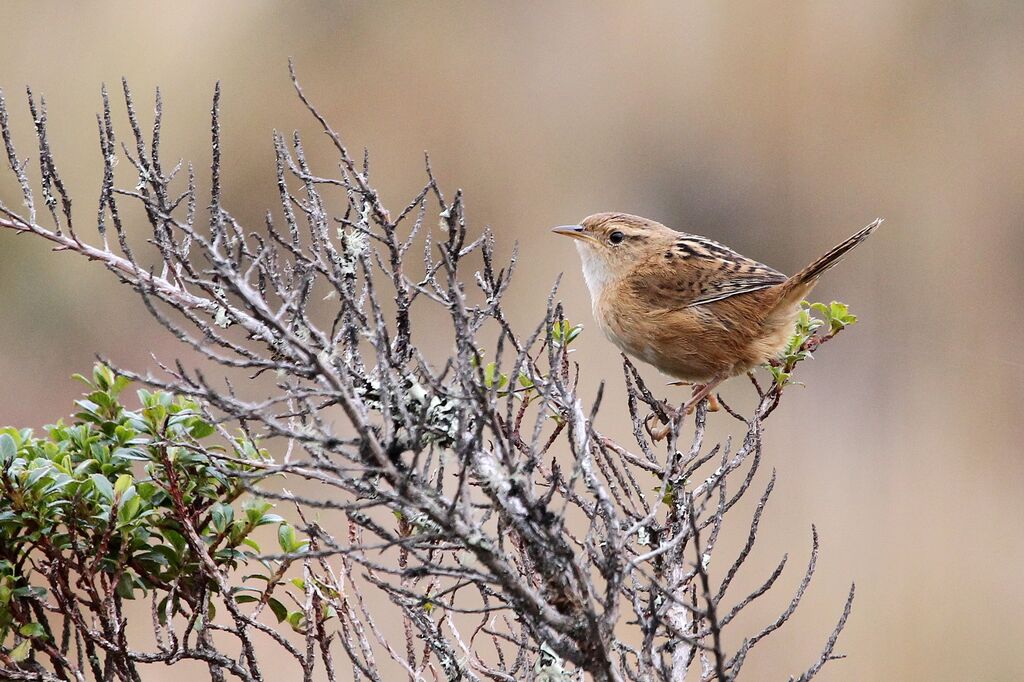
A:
(511, 537)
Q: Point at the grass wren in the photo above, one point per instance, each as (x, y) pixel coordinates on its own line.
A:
(695, 309)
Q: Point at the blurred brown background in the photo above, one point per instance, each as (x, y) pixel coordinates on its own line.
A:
(777, 128)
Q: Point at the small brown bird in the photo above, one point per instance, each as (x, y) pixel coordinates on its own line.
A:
(693, 308)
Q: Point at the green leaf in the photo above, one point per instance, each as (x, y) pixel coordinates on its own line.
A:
(126, 586)
(155, 414)
(295, 619)
(162, 610)
(122, 484)
(43, 469)
(268, 519)
(8, 448)
(492, 377)
(286, 537)
(222, 515)
(279, 609)
(200, 429)
(839, 316)
(21, 652)
(129, 509)
(103, 487)
(176, 539)
(822, 308)
(30, 591)
(573, 333)
(564, 333)
(32, 630)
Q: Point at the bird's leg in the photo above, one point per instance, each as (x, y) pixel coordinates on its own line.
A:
(713, 405)
(701, 392)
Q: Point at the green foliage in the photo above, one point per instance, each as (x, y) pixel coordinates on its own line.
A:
(492, 377)
(111, 500)
(816, 323)
(563, 333)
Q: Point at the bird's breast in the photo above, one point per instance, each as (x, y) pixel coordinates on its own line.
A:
(668, 340)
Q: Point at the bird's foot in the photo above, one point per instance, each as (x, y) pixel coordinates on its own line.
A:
(661, 432)
(700, 392)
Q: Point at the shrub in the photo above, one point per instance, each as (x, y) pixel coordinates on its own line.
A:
(510, 536)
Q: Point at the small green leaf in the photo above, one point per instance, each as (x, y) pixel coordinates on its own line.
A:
(200, 429)
(126, 586)
(103, 487)
(129, 509)
(285, 537)
(268, 519)
(32, 630)
(8, 448)
(222, 515)
(295, 619)
(21, 652)
(279, 609)
(492, 377)
(564, 333)
(122, 483)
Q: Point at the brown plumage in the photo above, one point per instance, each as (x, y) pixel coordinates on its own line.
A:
(693, 308)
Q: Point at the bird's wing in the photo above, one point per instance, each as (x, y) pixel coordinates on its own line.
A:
(703, 271)
(721, 272)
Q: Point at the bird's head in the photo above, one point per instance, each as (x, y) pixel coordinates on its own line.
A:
(612, 244)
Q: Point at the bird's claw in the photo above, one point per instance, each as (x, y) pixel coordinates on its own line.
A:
(661, 432)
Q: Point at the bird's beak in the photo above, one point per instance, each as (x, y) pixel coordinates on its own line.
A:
(574, 231)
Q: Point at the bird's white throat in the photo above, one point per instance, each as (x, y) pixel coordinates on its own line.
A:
(595, 271)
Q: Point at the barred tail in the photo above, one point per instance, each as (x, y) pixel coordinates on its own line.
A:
(794, 289)
(813, 271)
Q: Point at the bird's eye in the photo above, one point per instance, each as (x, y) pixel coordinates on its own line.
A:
(616, 237)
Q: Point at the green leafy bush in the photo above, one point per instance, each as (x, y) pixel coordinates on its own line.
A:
(121, 503)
